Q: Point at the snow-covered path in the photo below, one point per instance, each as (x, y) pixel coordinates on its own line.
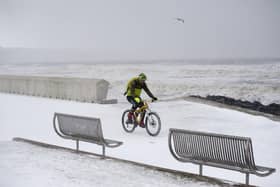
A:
(34, 166)
(31, 117)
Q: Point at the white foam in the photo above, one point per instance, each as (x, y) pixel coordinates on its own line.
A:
(255, 82)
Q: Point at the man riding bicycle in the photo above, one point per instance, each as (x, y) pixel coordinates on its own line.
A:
(133, 92)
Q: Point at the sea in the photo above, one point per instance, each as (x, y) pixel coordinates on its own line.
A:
(171, 79)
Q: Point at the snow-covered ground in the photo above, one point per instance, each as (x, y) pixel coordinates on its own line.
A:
(28, 165)
(31, 117)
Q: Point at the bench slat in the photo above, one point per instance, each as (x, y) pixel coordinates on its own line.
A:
(215, 149)
(81, 127)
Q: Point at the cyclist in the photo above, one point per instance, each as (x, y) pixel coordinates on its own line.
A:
(133, 92)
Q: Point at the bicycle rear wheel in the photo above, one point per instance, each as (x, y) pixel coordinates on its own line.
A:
(128, 127)
(153, 124)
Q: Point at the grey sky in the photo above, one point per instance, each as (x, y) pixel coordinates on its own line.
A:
(145, 29)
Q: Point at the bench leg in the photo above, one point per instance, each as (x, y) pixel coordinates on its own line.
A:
(247, 178)
(103, 151)
(77, 145)
(200, 169)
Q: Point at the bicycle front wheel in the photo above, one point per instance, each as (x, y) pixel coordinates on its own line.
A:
(128, 126)
(153, 124)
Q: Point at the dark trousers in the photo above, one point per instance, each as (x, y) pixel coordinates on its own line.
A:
(135, 105)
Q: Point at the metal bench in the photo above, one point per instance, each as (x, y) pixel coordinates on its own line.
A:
(81, 128)
(217, 150)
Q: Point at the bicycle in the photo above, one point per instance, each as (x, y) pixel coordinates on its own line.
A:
(152, 120)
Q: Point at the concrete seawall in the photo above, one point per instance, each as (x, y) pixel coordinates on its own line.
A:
(77, 89)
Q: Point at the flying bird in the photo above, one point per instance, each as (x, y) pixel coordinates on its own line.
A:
(180, 19)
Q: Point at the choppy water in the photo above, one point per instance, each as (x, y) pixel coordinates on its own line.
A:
(254, 82)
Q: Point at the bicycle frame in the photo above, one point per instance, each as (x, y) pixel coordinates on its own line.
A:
(142, 109)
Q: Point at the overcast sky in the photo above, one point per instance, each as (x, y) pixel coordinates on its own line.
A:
(145, 29)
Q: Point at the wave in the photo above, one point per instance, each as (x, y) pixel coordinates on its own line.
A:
(253, 82)
(265, 94)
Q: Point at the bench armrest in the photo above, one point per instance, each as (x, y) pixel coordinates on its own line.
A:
(112, 143)
(263, 171)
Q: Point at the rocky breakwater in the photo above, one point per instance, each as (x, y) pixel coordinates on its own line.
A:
(272, 108)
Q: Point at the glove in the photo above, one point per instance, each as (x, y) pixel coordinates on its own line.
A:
(154, 99)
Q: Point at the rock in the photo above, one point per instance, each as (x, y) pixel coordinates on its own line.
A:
(272, 108)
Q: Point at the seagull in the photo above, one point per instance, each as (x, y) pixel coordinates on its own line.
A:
(180, 19)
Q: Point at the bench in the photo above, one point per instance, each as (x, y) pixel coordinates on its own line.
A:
(217, 150)
(81, 128)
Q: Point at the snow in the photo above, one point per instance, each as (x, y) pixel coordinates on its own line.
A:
(31, 117)
(39, 166)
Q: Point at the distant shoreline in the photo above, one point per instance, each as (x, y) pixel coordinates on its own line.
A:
(131, 62)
